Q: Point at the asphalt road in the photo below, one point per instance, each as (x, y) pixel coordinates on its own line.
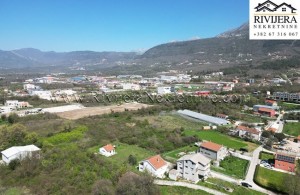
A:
(187, 185)
(250, 174)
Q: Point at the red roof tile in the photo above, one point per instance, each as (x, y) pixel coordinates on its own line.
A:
(211, 146)
(250, 130)
(109, 147)
(265, 110)
(157, 161)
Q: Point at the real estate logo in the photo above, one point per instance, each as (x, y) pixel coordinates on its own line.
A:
(274, 20)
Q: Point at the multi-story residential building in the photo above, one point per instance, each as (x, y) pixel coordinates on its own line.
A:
(193, 167)
(285, 96)
(213, 151)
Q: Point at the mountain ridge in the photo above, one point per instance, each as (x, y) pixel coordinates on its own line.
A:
(230, 48)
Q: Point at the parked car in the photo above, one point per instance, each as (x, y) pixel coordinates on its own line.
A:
(246, 184)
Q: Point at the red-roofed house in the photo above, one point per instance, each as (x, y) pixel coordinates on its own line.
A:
(154, 165)
(107, 150)
(213, 151)
(285, 162)
(248, 132)
(266, 111)
(271, 102)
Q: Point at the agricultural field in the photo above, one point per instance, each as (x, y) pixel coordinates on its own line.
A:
(172, 121)
(270, 179)
(92, 111)
(250, 118)
(233, 166)
(222, 139)
(292, 129)
(289, 106)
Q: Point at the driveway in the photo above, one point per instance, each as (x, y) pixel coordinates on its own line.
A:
(251, 170)
(187, 185)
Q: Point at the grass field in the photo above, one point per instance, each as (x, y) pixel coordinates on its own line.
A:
(222, 139)
(289, 106)
(233, 166)
(123, 151)
(221, 185)
(250, 118)
(171, 122)
(173, 155)
(270, 179)
(176, 190)
(266, 156)
(292, 129)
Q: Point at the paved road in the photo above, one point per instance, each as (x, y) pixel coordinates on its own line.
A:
(250, 174)
(188, 185)
(278, 124)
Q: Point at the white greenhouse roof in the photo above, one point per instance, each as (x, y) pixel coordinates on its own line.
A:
(204, 117)
(17, 149)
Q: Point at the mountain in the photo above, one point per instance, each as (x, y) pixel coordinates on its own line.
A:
(30, 57)
(230, 48)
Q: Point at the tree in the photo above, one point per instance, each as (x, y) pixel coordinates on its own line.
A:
(292, 182)
(13, 118)
(133, 184)
(266, 134)
(103, 187)
(280, 136)
(14, 164)
(3, 117)
(132, 160)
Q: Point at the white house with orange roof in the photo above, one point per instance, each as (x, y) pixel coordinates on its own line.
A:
(213, 151)
(154, 165)
(107, 150)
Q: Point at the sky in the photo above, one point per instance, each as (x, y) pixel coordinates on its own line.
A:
(113, 25)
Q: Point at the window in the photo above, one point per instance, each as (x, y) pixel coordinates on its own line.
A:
(284, 9)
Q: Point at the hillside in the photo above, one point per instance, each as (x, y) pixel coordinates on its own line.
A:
(30, 57)
(227, 49)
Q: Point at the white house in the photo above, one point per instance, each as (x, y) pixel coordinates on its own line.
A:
(18, 152)
(47, 95)
(193, 167)
(107, 150)
(30, 86)
(213, 151)
(17, 104)
(154, 165)
(130, 86)
(6, 109)
(164, 90)
(248, 132)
